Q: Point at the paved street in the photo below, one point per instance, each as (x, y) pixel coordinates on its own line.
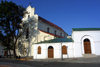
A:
(76, 62)
(52, 64)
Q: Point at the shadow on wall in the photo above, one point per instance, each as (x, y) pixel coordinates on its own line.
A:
(29, 37)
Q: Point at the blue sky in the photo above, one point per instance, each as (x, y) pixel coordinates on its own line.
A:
(67, 14)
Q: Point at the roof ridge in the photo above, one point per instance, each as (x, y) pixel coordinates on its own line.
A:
(52, 24)
(85, 29)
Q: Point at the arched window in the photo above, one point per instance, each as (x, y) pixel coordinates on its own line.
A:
(27, 33)
(64, 49)
(48, 29)
(39, 50)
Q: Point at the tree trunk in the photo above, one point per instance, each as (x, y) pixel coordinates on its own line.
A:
(9, 53)
(14, 50)
(15, 42)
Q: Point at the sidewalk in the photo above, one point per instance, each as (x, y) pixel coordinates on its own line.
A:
(43, 62)
(73, 60)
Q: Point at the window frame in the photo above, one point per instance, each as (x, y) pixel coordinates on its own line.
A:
(39, 49)
(55, 32)
(48, 29)
(64, 49)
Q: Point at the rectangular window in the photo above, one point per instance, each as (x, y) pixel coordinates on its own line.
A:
(60, 34)
(55, 32)
(48, 29)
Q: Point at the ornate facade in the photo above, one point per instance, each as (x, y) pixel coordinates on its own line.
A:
(37, 29)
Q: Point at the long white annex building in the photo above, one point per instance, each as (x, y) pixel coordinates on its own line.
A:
(84, 42)
(43, 39)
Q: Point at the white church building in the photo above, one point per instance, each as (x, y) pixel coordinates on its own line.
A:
(44, 40)
(84, 41)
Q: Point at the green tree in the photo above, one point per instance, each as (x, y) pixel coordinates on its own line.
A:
(5, 41)
(10, 19)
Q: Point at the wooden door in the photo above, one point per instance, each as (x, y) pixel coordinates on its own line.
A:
(50, 52)
(87, 47)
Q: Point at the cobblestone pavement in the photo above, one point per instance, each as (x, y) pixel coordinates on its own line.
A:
(76, 62)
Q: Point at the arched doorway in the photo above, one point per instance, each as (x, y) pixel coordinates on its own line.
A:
(87, 46)
(50, 52)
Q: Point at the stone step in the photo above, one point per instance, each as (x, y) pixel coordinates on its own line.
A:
(89, 55)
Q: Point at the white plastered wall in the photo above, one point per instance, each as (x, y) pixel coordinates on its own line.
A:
(43, 26)
(79, 36)
(57, 50)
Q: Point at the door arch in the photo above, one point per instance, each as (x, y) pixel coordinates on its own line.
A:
(50, 52)
(87, 46)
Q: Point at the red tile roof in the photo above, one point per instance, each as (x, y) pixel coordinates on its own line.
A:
(48, 22)
(52, 34)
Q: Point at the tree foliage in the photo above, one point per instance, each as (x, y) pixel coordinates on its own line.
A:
(10, 19)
